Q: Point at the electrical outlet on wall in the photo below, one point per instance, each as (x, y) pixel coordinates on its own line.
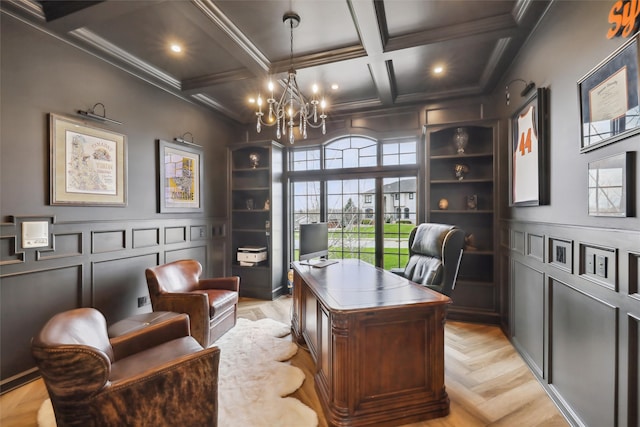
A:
(142, 301)
(591, 264)
(601, 266)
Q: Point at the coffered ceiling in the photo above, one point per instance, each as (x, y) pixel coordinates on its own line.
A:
(379, 53)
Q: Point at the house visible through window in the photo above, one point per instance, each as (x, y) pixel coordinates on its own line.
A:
(345, 183)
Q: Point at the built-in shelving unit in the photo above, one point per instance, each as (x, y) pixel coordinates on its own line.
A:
(256, 213)
(450, 201)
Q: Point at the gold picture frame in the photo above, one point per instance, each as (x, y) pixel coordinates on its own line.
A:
(88, 165)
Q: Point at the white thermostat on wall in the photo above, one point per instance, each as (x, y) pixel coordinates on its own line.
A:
(35, 234)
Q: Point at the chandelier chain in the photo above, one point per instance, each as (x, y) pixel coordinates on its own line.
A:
(291, 44)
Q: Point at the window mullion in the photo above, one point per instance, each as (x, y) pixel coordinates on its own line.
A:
(379, 223)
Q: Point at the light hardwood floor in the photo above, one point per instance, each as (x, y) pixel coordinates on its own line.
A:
(487, 381)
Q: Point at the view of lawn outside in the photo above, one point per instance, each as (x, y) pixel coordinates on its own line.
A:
(359, 242)
(353, 206)
(351, 218)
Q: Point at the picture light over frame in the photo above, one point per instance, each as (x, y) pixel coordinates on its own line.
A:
(524, 92)
(182, 139)
(91, 114)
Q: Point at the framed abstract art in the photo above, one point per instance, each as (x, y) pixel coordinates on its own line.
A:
(180, 167)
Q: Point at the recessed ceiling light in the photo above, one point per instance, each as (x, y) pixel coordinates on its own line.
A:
(438, 69)
(175, 47)
(335, 86)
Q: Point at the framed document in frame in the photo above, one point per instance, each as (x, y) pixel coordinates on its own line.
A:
(609, 99)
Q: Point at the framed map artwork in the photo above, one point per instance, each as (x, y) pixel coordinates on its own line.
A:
(88, 164)
(180, 177)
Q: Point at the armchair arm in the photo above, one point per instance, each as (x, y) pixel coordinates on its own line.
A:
(150, 336)
(186, 389)
(195, 304)
(72, 372)
(228, 283)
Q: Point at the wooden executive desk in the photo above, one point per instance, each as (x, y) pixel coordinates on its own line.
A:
(377, 340)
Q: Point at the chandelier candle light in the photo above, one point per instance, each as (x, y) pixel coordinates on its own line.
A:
(292, 105)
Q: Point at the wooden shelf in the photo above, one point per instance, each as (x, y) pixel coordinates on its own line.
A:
(466, 212)
(250, 189)
(250, 169)
(251, 267)
(461, 181)
(461, 156)
(248, 230)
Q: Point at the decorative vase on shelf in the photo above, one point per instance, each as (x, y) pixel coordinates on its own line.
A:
(254, 158)
(461, 170)
(460, 139)
(472, 202)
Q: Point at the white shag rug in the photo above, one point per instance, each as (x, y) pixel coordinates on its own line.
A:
(253, 378)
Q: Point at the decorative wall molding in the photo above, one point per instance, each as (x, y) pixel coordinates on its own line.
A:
(99, 264)
(568, 319)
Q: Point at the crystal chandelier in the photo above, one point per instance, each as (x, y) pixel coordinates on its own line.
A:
(292, 109)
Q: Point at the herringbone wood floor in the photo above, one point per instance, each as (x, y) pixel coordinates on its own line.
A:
(487, 381)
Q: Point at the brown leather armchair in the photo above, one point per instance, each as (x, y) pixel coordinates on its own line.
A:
(435, 252)
(156, 376)
(212, 304)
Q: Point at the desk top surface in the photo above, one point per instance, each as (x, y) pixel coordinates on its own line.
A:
(353, 284)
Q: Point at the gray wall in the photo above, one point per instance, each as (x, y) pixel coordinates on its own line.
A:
(569, 43)
(576, 330)
(99, 253)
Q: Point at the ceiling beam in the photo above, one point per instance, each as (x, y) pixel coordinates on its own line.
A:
(94, 12)
(196, 84)
(319, 58)
(279, 67)
(495, 27)
(58, 9)
(230, 38)
(365, 19)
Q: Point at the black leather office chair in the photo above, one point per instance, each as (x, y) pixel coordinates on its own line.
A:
(435, 252)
